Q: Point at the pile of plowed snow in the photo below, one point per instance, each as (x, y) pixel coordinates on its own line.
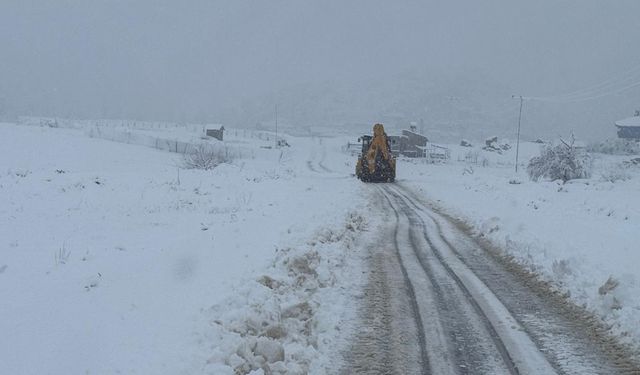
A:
(292, 319)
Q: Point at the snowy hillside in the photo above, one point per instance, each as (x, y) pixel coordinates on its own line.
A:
(112, 253)
(116, 258)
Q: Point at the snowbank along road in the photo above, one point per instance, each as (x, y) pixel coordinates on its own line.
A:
(436, 303)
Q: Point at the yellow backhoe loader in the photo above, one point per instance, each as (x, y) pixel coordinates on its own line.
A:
(376, 162)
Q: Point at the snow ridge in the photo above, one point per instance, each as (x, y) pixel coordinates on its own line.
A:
(277, 323)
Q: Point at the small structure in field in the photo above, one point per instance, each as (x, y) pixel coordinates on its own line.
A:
(629, 128)
(491, 144)
(437, 153)
(409, 144)
(216, 133)
(414, 145)
(394, 144)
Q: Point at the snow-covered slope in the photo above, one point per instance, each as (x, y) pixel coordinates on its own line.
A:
(112, 254)
(114, 258)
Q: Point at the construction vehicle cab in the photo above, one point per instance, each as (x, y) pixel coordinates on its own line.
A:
(376, 162)
(366, 142)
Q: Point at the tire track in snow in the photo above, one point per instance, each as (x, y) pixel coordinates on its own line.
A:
(472, 343)
(322, 160)
(315, 165)
(391, 339)
(482, 336)
(537, 325)
(574, 340)
(449, 335)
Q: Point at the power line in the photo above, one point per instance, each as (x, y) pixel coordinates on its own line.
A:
(590, 90)
(608, 87)
(586, 98)
(630, 74)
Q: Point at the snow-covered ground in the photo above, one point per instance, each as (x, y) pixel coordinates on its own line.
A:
(577, 235)
(114, 259)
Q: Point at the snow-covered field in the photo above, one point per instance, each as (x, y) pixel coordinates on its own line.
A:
(116, 259)
(576, 235)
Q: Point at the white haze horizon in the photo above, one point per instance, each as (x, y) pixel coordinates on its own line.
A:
(455, 65)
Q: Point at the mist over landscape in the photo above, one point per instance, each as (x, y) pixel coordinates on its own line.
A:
(455, 65)
(289, 187)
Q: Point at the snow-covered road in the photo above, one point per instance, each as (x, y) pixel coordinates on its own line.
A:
(436, 304)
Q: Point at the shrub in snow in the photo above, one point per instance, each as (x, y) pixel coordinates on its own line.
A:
(615, 147)
(616, 173)
(62, 255)
(631, 163)
(610, 300)
(205, 156)
(608, 286)
(22, 173)
(561, 269)
(562, 162)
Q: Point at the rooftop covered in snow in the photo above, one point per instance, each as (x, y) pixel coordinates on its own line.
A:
(631, 121)
(629, 128)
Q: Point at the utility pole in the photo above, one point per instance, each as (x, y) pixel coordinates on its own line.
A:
(276, 126)
(518, 139)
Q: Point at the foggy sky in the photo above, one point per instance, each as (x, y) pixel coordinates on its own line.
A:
(169, 60)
